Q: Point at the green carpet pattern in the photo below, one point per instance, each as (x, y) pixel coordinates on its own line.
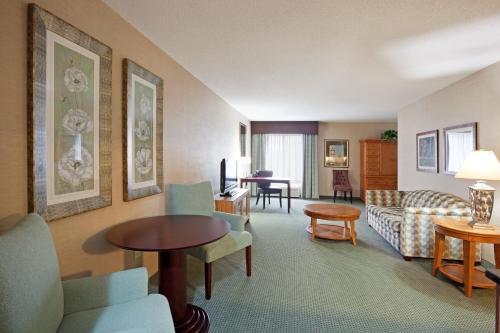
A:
(330, 286)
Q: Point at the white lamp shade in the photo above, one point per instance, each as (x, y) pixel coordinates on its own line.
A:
(480, 164)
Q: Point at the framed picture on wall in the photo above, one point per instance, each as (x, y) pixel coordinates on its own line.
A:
(336, 153)
(69, 126)
(143, 132)
(428, 151)
(459, 141)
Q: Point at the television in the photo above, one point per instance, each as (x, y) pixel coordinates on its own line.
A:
(228, 176)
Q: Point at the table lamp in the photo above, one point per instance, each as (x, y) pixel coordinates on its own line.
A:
(481, 165)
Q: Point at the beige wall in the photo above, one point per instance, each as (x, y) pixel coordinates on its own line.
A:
(473, 99)
(200, 129)
(353, 132)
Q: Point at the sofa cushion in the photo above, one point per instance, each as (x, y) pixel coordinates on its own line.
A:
(432, 199)
(148, 314)
(391, 217)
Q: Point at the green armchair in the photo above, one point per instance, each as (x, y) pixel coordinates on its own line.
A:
(34, 299)
(198, 199)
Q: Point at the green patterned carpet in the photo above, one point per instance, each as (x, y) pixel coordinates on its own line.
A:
(327, 286)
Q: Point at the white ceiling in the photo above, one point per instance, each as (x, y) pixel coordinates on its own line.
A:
(350, 60)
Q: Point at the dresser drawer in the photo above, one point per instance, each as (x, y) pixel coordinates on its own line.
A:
(384, 182)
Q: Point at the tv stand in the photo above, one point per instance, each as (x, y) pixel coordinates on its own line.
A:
(237, 203)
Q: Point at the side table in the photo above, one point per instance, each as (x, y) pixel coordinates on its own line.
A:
(466, 273)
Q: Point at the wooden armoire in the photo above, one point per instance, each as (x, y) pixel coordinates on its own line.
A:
(379, 166)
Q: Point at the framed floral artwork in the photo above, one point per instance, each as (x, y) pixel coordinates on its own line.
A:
(336, 153)
(69, 127)
(428, 151)
(143, 132)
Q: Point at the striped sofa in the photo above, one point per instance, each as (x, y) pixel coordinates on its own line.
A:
(404, 219)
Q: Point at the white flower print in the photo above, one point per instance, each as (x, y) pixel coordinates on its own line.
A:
(143, 161)
(145, 107)
(143, 132)
(75, 80)
(77, 121)
(74, 172)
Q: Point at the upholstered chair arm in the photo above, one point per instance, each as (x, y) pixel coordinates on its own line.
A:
(100, 291)
(236, 221)
(384, 198)
(417, 233)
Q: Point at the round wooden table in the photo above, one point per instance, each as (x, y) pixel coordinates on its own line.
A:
(170, 235)
(466, 273)
(332, 212)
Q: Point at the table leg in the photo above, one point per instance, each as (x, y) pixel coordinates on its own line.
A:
(172, 284)
(289, 200)
(353, 232)
(469, 252)
(247, 208)
(314, 223)
(497, 255)
(438, 252)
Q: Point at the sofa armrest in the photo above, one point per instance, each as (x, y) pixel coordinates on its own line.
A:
(384, 198)
(100, 291)
(236, 221)
(417, 233)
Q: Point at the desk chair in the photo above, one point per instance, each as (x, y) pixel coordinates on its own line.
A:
(266, 189)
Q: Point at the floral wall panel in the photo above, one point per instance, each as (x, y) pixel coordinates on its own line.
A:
(70, 126)
(143, 129)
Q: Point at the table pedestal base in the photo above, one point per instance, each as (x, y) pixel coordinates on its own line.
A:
(196, 320)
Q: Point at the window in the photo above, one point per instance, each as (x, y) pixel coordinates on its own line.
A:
(284, 155)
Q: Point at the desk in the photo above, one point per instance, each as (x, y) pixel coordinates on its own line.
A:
(258, 180)
(239, 202)
(466, 274)
(170, 235)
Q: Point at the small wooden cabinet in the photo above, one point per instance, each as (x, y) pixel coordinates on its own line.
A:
(239, 203)
(379, 166)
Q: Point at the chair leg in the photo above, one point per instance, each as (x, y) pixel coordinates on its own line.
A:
(269, 198)
(263, 201)
(334, 196)
(345, 196)
(208, 280)
(281, 206)
(351, 197)
(258, 197)
(248, 254)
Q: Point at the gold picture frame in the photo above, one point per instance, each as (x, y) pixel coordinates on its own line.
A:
(336, 153)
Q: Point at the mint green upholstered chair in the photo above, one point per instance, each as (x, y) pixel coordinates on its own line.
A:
(34, 299)
(198, 199)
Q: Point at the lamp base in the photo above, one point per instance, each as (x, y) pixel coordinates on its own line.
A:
(482, 197)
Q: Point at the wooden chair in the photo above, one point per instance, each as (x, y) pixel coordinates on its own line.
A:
(341, 183)
(266, 189)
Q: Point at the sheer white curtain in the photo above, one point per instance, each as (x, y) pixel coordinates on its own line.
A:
(284, 155)
(460, 144)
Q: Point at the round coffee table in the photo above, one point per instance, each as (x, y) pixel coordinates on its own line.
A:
(170, 235)
(332, 212)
